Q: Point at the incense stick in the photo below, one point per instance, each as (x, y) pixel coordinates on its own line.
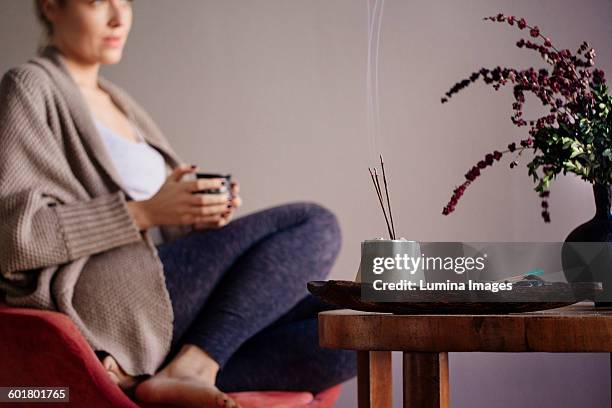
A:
(380, 197)
(379, 194)
(376, 186)
(382, 164)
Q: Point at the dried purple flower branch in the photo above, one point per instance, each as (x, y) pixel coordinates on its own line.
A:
(566, 90)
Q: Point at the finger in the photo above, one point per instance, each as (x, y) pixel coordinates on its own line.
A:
(206, 199)
(203, 184)
(227, 217)
(207, 210)
(182, 169)
(210, 225)
(206, 225)
(192, 219)
(219, 223)
(236, 202)
(235, 188)
(209, 219)
(206, 219)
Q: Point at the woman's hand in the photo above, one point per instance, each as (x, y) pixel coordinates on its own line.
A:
(227, 215)
(174, 203)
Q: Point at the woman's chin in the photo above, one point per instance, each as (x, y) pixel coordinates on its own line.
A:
(111, 56)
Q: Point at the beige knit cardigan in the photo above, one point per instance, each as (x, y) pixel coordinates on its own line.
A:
(67, 240)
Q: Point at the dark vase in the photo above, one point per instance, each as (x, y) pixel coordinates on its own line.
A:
(587, 253)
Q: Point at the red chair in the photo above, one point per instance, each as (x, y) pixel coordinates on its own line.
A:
(44, 348)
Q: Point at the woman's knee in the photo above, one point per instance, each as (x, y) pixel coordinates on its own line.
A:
(313, 228)
(326, 224)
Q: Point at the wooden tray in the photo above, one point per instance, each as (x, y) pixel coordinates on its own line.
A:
(526, 296)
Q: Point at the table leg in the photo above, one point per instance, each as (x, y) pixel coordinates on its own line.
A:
(426, 380)
(374, 385)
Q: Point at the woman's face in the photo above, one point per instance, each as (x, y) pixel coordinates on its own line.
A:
(92, 31)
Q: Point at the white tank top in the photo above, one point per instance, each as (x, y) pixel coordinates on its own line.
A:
(140, 166)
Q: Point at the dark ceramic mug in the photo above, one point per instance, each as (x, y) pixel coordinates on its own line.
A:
(223, 190)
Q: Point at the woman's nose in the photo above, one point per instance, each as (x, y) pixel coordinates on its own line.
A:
(116, 13)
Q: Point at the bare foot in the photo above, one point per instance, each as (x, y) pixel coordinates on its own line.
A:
(184, 392)
(116, 373)
(188, 381)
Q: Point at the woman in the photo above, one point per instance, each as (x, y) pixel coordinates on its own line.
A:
(102, 221)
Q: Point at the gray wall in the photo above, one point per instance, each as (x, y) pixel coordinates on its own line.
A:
(274, 92)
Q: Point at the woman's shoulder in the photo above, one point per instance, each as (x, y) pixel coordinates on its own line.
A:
(27, 77)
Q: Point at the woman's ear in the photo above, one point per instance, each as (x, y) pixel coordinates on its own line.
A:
(50, 9)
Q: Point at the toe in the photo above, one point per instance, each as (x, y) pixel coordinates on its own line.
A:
(224, 400)
(147, 391)
(108, 363)
(117, 374)
(113, 377)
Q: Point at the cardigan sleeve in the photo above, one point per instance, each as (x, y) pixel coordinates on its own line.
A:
(42, 224)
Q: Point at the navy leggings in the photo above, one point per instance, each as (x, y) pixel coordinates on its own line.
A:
(239, 293)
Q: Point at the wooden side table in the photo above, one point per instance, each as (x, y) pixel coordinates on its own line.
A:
(426, 340)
